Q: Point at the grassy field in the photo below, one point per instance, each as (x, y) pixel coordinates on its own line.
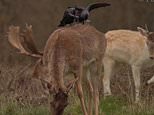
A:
(21, 95)
(109, 106)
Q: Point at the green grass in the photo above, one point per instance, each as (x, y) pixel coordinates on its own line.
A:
(109, 106)
(118, 106)
(13, 108)
(112, 106)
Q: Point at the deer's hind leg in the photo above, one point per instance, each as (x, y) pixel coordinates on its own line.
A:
(79, 74)
(108, 72)
(90, 91)
(95, 70)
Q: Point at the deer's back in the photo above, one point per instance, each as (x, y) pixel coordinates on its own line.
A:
(93, 41)
(125, 45)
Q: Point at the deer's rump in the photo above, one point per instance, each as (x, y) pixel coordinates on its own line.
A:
(76, 39)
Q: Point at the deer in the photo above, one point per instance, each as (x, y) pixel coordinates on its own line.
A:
(135, 48)
(69, 50)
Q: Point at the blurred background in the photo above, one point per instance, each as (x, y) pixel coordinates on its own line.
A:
(45, 15)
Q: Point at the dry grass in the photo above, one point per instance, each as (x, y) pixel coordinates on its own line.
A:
(16, 84)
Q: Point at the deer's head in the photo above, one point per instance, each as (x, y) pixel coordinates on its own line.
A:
(149, 36)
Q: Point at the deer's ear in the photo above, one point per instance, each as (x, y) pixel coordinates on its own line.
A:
(142, 31)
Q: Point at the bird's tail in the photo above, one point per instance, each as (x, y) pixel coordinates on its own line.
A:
(96, 5)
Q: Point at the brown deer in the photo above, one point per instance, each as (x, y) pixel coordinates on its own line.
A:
(135, 48)
(69, 50)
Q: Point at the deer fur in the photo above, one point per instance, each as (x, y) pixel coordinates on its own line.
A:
(131, 47)
(72, 50)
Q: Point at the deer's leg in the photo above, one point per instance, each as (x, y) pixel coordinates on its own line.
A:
(108, 72)
(136, 77)
(80, 90)
(96, 100)
(90, 104)
(95, 76)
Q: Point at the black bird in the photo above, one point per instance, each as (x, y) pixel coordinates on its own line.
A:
(71, 15)
(78, 14)
(86, 12)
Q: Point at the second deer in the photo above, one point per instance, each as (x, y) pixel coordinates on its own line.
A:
(135, 48)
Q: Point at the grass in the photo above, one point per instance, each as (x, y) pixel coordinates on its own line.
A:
(109, 106)
(15, 109)
(118, 106)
